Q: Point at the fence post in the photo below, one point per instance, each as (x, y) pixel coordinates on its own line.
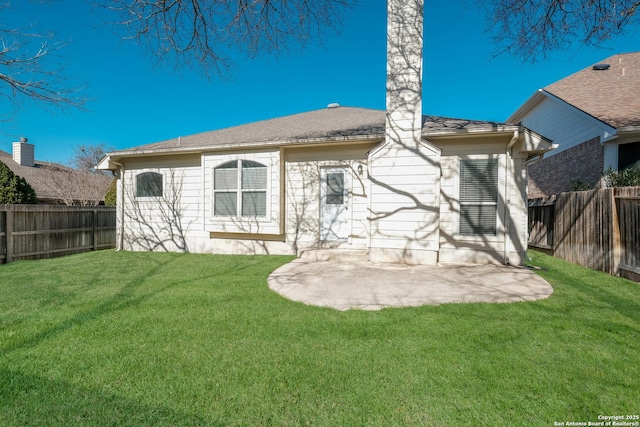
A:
(95, 229)
(616, 237)
(8, 233)
(3, 240)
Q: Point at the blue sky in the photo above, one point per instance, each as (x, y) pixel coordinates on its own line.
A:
(134, 102)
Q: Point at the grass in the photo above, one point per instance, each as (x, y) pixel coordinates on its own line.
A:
(112, 339)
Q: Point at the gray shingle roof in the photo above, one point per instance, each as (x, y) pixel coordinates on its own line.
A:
(612, 96)
(328, 123)
(47, 179)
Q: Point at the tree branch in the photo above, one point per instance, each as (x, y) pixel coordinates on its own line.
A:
(205, 35)
(532, 29)
(30, 70)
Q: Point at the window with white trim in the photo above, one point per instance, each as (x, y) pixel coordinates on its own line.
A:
(240, 189)
(478, 197)
(149, 184)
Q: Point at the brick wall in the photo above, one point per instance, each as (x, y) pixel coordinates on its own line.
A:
(553, 175)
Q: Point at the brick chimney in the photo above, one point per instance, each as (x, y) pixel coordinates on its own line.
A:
(23, 152)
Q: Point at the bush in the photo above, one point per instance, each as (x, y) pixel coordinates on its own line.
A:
(625, 178)
(579, 185)
(110, 198)
(14, 189)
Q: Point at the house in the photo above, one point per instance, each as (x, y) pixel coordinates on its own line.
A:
(395, 184)
(55, 183)
(593, 116)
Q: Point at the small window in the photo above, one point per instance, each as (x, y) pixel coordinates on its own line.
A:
(478, 197)
(334, 188)
(240, 189)
(149, 184)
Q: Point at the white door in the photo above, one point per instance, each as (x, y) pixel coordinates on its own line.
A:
(335, 224)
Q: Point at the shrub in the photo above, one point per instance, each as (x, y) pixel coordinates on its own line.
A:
(110, 198)
(629, 177)
(579, 185)
(14, 189)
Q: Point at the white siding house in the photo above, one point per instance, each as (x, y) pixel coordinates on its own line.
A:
(460, 196)
(396, 184)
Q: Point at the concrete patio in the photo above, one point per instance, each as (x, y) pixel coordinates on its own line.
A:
(352, 283)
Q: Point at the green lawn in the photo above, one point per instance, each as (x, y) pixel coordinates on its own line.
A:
(110, 338)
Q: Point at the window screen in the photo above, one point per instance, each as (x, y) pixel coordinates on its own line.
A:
(149, 184)
(254, 203)
(478, 197)
(225, 177)
(225, 204)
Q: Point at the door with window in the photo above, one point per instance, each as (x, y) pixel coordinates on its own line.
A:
(335, 224)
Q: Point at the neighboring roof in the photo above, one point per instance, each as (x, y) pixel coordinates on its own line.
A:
(328, 124)
(53, 181)
(610, 95)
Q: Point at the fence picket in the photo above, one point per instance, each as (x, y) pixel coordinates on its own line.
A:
(598, 229)
(37, 231)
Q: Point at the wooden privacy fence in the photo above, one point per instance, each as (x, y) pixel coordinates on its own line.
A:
(598, 229)
(37, 231)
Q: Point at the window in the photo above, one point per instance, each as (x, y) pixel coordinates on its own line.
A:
(334, 188)
(628, 155)
(240, 189)
(149, 184)
(478, 197)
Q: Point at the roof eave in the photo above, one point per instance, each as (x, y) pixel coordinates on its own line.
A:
(527, 106)
(629, 130)
(533, 143)
(107, 163)
(112, 159)
(624, 135)
(456, 133)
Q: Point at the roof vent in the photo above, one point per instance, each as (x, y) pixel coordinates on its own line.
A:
(333, 105)
(601, 67)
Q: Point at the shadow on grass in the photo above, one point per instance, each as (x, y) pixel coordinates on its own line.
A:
(589, 285)
(122, 300)
(28, 400)
(129, 295)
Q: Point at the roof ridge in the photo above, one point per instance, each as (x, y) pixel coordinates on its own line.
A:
(258, 122)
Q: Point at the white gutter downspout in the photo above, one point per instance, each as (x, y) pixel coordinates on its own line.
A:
(507, 194)
(120, 245)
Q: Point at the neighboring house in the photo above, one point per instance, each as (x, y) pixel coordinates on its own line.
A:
(593, 116)
(54, 183)
(399, 185)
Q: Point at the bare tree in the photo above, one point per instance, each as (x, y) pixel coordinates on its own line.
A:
(70, 187)
(30, 68)
(87, 156)
(531, 29)
(203, 34)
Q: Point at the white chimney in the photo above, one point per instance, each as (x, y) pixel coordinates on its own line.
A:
(404, 171)
(23, 152)
(404, 71)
